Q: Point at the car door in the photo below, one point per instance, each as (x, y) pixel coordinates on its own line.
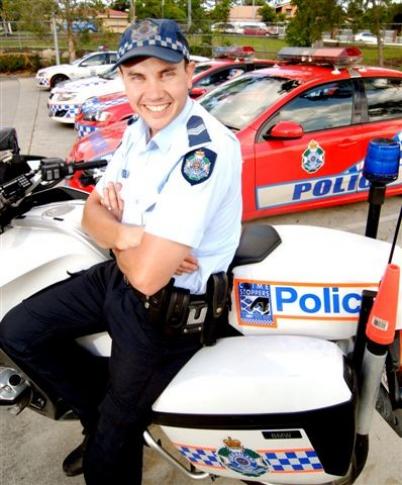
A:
(317, 167)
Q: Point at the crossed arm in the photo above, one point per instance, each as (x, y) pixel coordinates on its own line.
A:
(148, 261)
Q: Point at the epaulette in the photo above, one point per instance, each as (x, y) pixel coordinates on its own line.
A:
(132, 120)
(197, 131)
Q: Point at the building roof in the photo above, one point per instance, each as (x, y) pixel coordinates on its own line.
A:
(110, 13)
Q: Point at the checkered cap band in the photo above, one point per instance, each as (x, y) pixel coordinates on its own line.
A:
(164, 34)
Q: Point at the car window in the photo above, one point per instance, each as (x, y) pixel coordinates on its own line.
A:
(326, 106)
(243, 99)
(96, 60)
(201, 68)
(384, 98)
(221, 76)
(112, 58)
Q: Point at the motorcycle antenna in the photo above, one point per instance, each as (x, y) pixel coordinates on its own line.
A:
(396, 234)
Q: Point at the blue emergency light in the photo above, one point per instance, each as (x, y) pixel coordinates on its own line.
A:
(381, 164)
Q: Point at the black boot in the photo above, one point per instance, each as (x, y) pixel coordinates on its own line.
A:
(73, 463)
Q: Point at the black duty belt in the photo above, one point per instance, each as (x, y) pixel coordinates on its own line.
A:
(175, 309)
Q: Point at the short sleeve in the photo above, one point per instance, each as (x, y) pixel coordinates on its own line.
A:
(189, 200)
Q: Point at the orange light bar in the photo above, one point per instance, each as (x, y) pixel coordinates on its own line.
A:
(339, 56)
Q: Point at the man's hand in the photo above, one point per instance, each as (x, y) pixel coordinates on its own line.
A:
(112, 200)
(188, 265)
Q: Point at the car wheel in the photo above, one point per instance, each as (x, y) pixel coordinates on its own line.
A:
(58, 78)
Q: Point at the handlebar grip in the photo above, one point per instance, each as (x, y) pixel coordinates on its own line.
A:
(92, 164)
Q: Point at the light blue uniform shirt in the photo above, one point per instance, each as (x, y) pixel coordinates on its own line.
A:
(162, 193)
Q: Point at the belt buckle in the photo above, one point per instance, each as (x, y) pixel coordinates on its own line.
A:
(197, 312)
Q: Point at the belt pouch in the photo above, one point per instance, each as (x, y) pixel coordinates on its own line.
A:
(217, 296)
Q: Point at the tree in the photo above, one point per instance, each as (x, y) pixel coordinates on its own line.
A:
(36, 16)
(374, 15)
(221, 11)
(267, 13)
(121, 5)
(312, 19)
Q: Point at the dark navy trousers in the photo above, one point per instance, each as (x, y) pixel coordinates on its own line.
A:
(114, 404)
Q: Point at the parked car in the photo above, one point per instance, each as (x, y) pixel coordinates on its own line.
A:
(65, 100)
(303, 126)
(366, 38)
(98, 112)
(89, 65)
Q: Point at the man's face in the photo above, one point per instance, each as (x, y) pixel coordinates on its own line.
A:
(157, 90)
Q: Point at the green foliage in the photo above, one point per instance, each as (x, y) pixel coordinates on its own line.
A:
(312, 19)
(122, 5)
(267, 13)
(221, 11)
(19, 62)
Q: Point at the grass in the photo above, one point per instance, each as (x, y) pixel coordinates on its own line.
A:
(264, 47)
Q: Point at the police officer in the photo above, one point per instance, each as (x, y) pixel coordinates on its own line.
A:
(169, 207)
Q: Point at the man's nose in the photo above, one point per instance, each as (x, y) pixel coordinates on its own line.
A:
(154, 88)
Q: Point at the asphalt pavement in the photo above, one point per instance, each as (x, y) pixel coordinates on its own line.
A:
(32, 447)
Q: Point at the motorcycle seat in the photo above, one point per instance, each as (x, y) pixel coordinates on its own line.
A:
(256, 243)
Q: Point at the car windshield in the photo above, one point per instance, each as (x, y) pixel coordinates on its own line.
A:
(238, 102)
(77, 61)
(109, 74)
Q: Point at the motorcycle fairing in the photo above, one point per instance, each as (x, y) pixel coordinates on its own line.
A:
(310, 285)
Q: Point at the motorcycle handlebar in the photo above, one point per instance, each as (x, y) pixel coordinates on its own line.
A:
(55, 168)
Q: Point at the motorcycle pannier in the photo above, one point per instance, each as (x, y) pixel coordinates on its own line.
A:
(275, 408)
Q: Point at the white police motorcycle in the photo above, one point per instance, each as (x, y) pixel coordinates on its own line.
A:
(288, 397)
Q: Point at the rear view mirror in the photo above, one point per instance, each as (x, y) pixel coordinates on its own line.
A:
(286, 130)
(197, 92)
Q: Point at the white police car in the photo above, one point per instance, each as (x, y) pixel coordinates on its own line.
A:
(66, 99)
(89, 65)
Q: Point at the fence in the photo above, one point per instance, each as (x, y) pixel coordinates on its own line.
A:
(203, 37)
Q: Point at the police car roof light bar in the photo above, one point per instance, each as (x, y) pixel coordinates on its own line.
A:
(339, 56)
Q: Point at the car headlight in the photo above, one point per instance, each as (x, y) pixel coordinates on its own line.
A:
(41, 73)
(102, 115)
(66, 96)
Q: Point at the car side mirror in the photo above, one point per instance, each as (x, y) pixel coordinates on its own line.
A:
(286, 130)
(197, 92)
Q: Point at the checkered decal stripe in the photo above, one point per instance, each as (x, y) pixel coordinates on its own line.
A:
(290, 461)
(43, 82)
(91, 107)
(293, 461)
(200, 456)
(84, 130)
(156, 41)
(71, 109)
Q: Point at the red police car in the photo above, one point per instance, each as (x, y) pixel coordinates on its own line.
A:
(98, 112)
(304, 126)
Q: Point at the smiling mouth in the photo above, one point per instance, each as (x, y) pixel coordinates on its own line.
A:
(157, 108)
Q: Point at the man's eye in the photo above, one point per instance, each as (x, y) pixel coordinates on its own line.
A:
(169, 74)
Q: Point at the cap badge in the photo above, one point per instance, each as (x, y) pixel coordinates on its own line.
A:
(144, 30)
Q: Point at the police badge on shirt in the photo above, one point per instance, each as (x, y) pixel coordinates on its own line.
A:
(198, 165)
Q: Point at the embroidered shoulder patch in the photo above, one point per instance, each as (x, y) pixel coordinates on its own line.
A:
(198, 165)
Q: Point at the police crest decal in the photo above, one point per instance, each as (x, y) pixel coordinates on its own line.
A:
(313, 157)
(198, 165)
(241, 460)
